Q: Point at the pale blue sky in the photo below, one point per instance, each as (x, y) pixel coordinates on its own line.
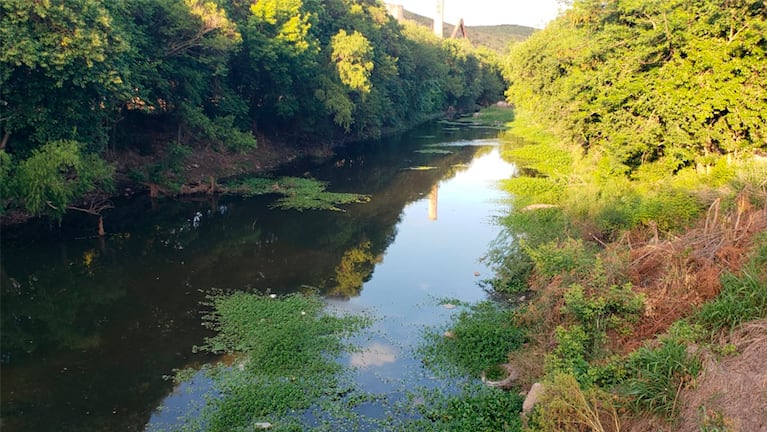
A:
(532, 13)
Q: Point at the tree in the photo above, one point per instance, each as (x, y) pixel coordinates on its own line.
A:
(56, 176)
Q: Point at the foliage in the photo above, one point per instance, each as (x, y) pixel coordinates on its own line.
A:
(297, 193)
(636, 82)
(555, 258)
(566, 406)
(353, 56)
(743, 297)
(476, 408)
(164, 172)
(56, 176)
(484, 334)
(128, 75)
(285, 350)
(6, 168)
(657, 375)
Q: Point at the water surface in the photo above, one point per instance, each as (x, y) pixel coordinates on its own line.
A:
(90, 327)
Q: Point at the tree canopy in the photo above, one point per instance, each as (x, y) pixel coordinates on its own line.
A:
(678, 82)
(105, 76)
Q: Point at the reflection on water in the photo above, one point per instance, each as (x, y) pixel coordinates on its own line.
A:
(376, 354)
(90, 327)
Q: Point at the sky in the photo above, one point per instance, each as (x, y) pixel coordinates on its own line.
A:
(531, 13)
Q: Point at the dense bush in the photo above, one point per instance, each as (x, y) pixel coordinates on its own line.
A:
(116, 75)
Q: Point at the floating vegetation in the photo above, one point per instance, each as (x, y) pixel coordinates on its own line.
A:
(285, 349)
(297, 193)
(434, 151)
(482, 337)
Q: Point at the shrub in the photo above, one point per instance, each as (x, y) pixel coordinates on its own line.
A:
(566, 407)
(561, 257)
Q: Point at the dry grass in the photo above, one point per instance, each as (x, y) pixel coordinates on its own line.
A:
(680, 273)
(731, 392)
(565, 407)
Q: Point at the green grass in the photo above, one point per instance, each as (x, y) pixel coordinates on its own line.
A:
(657, 375)
(743, 297)
(494, 116)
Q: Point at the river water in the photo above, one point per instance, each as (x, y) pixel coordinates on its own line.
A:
(91, 327)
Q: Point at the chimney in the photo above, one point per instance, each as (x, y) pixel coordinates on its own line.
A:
(439, 18)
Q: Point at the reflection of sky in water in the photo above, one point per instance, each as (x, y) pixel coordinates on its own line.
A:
(376, 354)
(428, 260)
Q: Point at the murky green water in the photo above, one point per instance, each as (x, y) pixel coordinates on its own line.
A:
(90, 327)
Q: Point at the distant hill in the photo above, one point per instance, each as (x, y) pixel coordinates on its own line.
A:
(496, 37)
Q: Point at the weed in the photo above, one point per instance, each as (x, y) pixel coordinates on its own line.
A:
(476, 408)
(297, 193)
(570, 354)
(743, 297)
(657, 375)
(565, 406)
(712, 421)
(562, 257)
(284, 358)
(484, 334)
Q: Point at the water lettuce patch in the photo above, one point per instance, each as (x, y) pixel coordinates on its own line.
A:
(282, 362)
(297, 193)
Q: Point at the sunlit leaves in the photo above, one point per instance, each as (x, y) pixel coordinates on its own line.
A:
(644, 81)
(353, 56)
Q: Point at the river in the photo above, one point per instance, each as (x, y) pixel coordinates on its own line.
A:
(91, 327)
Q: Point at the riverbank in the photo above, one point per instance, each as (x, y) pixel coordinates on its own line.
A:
(173, 170)
(638, 291)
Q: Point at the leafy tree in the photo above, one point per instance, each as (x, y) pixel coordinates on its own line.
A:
(638, 82)
(60, 71)
(353, 56)
(56, 175)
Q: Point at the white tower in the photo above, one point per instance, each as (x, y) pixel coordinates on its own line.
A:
(439, 18)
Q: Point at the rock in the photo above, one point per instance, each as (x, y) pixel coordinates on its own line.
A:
(262, 425)
(512, 375)
(532, 398)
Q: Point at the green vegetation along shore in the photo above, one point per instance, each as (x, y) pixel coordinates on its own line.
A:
(169, 95)
(636, 252)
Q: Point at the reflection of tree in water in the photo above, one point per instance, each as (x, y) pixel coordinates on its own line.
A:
(356, 267)
(44, 309)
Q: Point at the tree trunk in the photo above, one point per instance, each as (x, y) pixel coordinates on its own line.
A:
(102, 233)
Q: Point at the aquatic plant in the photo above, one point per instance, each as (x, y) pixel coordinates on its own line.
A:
(297, 193)
(479, 338)
(283, 352)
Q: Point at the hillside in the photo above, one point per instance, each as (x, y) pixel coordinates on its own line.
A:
(496, 37)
